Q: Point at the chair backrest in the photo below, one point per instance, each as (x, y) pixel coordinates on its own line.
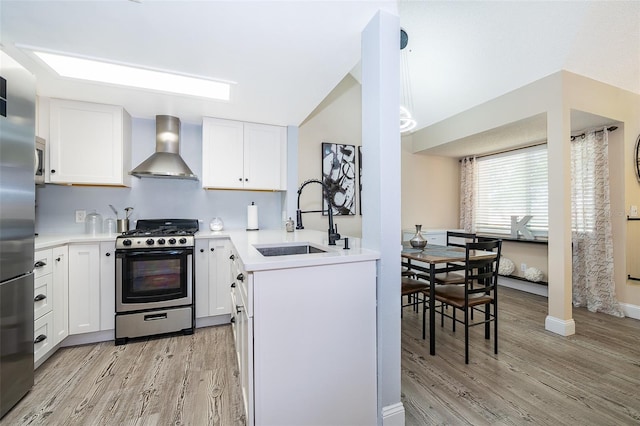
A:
(460, 239)
(482, 271)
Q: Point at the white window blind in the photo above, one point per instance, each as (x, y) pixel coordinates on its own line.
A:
(512, 184)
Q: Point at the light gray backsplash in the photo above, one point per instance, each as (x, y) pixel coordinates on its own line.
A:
(156, 198)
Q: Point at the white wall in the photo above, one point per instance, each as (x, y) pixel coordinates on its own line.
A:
(337, 120)
(156, 198)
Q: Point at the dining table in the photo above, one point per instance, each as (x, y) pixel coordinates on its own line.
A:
(437, 259)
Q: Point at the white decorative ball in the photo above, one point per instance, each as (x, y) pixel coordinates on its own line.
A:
(533, 274)
(506, 266)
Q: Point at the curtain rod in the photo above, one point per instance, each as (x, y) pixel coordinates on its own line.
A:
(504, 151)
(610, 128)
(582, 135)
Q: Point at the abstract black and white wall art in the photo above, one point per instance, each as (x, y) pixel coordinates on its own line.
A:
(360, 178)
(339, 175)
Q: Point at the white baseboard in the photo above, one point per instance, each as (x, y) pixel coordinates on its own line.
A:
(211, 321)
(86, 338)
(529, 287)
(559, 326)
(393, 415)
(631, 311)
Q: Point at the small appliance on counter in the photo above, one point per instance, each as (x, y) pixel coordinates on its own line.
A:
(155, 279)
(216, 224)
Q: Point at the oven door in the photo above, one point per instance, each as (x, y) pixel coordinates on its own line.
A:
(152, 279)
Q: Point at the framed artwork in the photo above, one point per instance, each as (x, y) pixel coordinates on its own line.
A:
(339, 175)
(360, 178)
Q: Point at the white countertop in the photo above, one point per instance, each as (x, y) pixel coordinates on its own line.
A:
(244, 242)
(252, 260)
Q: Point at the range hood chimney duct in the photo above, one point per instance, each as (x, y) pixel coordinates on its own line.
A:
(166, 161)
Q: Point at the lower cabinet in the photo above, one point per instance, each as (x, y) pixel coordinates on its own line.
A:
(51, 295)
(212, 277)
(91, 287)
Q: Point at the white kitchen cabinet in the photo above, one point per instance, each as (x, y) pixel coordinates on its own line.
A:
(321, 339)
(89, 144)
(84, 288)
(50, 301)
(238, 155)
(60, 293)
(107, 285)
(212, 277)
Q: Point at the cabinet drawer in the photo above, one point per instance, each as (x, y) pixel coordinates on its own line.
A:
(42, 262)
(42, 295)
(42, 336)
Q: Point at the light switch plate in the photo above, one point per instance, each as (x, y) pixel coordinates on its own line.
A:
(633, 211)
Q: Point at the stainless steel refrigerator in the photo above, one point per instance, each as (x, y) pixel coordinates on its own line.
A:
(17, 214)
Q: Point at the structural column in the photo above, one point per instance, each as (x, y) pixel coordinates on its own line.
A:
(381, 179)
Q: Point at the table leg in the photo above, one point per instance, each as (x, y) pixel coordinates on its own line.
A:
(432, 309)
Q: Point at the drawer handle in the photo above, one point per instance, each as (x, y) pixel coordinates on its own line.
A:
(233, 284)
(58, 259)
(239, 308)
(232, 257)
(39, 297)
(240, 277)
(155, 317)
(233, 320)
(39, 264)
(40, 338)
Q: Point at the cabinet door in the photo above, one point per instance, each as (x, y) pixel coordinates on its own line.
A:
(264, 157)
(84, 288)
(60, 294)
(222, 153)
(88, 143)
(42, 295)
(202, 278)
(219, 282)
(107, 285)
(42, 336)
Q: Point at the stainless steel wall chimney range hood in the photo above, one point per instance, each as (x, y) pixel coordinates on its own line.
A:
(166, 161)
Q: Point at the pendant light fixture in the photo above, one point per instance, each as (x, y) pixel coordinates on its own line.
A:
(407, 123)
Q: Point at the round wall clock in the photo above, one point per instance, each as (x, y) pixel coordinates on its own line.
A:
(636, 158)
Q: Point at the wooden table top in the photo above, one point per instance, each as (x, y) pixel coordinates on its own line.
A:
(433, 253)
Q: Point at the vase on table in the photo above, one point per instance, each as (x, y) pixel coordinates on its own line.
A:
(418, 241)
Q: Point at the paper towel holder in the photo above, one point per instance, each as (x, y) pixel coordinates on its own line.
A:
(252, 217)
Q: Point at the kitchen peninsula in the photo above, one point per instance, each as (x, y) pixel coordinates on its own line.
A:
(304, 324)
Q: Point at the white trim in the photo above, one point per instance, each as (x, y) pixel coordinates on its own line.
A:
(560, 326)
(529, 287)
(631, 311)
(214, 320)
(86, 338)
(393, 415)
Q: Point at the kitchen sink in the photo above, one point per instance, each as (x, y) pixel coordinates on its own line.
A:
(286, 250)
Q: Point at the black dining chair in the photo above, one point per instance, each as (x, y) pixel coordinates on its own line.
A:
(479, 292)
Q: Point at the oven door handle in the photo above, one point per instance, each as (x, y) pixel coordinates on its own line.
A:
(149, 253)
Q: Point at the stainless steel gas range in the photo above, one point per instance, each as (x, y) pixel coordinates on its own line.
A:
(155, 279)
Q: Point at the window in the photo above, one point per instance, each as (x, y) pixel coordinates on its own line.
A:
(514, 183)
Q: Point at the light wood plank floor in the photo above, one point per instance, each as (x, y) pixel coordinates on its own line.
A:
(537, 378)
(178, 380)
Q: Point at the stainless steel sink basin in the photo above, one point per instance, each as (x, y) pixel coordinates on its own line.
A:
(286, 250)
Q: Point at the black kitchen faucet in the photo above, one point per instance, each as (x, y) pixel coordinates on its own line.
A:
(332, 231)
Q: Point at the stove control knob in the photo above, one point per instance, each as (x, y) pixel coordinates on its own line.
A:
(160, 241)
(182, 240)
(172, 240)
(126, 242)
(150, 242)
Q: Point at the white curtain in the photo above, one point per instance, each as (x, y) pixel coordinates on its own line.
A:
(593, 284)
(468, 175)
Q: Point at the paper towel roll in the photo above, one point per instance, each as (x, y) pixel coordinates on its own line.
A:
(252, 217)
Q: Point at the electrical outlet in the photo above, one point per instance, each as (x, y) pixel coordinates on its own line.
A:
(633, 211)
(523, 267)
(81, 216)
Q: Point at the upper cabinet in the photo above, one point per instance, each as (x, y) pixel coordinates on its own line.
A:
(90, 144)
(237, 155)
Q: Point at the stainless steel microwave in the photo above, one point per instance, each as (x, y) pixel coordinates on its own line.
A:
(41, 147)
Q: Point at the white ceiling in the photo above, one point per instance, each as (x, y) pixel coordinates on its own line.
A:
(286, 56)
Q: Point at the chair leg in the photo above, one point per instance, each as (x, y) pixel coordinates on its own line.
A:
(424, 318)
(453, 327)
(495, 326)
(466, 336)
(487, 326)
